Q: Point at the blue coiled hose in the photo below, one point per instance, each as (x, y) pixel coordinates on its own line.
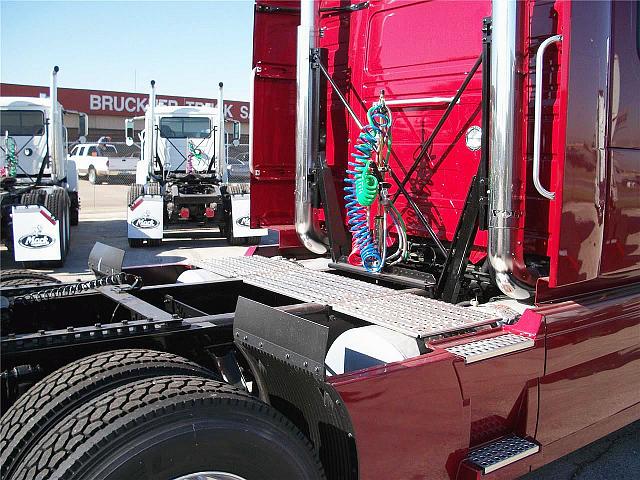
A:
(363, 249)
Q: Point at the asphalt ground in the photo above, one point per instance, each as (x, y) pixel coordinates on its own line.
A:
(103, 218)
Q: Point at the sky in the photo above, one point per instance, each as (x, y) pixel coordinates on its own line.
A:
(186, 47)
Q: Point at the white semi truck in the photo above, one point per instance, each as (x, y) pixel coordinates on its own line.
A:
(181, 179)
(38, 183)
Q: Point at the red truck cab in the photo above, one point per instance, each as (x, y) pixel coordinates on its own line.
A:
(563, 214)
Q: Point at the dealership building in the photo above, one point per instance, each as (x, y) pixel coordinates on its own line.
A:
(107, 110)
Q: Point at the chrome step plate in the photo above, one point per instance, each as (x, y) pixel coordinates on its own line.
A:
(501, 453)
(239, 267)
(491, 347)
(414, 315)
(317, 287)
(397, 310)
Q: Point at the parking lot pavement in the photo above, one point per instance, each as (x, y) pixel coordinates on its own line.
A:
(614, 457)
(103, 219)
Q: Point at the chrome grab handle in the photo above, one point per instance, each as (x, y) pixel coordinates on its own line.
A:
(537, 125)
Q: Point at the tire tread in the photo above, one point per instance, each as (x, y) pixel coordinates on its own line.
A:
(87, 431)
(40, 407)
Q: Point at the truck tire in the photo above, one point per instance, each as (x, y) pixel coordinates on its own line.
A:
(135, 191)
(227, 231)
(152, 189)
(34, 197)
(74, 212)
(136, 242)
(17, 277)
(93, 176)
(57, 202)
(72, 386)
(234, 241)
(170, 427)
(252, 240)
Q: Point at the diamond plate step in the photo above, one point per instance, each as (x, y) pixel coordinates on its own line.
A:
(501, 453)
(491, 347)
(238, 267)
(413, 315)
(318, 287)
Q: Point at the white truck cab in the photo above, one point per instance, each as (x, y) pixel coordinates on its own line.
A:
(38, 183)
(181, 178)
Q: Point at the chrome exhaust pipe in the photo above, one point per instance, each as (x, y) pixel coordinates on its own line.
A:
(504, 201)
(53, 126)
(149, 138)
(222, 137)
(307, 229)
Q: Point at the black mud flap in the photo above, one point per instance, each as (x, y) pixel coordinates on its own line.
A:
(105, 260)
(288, 350)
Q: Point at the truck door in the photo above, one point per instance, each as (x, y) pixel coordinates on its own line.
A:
(596, 213)
(576, 215)
(621, 246)
(273, 113)
(592, 371)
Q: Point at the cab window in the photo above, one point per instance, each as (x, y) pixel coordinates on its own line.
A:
(22, 122)
(185, 127)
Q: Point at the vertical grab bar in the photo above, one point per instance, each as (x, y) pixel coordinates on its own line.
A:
(537, 126)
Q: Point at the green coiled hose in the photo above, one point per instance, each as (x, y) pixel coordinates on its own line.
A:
(366, 185)
(12, 161)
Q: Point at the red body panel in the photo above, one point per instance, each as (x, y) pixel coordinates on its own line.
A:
(593, 362)
(411, 50)
(374, 54)
(419, 418)
(274, 116)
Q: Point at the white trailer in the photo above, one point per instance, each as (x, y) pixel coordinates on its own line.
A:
(181, 178)
(38, 183)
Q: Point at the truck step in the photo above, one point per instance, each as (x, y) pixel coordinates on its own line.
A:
(501, 453)
(491, 347)
(410, 314)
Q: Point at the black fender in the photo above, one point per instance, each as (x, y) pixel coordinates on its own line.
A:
(285, 348)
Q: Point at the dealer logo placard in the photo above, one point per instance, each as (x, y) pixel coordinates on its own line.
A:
(243, 221)
(37, 239)
(145, 222)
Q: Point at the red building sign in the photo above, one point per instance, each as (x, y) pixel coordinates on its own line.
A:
(120, 104)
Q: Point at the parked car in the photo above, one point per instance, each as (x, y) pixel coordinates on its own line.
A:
(238, 168)
(101, 161)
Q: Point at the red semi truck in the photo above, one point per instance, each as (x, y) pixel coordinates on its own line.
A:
(473, 171)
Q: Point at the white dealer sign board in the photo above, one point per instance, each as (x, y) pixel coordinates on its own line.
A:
(144, 218)
(36, 234)
(240, 217)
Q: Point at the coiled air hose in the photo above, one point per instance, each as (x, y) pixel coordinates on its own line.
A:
(193, 152)
(362, 189)
(11, 158)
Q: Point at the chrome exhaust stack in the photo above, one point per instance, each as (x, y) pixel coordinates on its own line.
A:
(307, 229)
(150, 130)
(504, 201)
(222, 143)
(53, 127)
